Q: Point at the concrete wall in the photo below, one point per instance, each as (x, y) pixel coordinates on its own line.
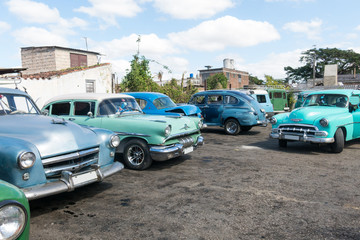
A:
(38, 60)
(42, 90)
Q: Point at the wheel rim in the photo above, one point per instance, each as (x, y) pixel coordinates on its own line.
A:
(135, 155)
(231, 127)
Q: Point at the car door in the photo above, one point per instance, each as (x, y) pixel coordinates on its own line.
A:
(355, 111)
(213, 109)
(84, 113)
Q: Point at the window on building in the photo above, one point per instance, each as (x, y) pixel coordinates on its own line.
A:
(239, 78)
(83, 108)
(228, 76)
(78, 60)
(62, 108)
(90, 86)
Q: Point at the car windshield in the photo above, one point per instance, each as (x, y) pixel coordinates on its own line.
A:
(17, 104)
(333, 100)
(163, 102)
(118, 106)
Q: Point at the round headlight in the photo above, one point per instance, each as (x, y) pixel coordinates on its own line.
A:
(167, 130)
(324, 122)
(13, 220)
(273, 120)
(26, 160)
(114, 141)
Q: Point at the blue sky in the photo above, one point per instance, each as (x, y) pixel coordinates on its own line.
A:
(262, 36)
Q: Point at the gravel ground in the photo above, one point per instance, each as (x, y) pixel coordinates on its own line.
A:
(233, 187)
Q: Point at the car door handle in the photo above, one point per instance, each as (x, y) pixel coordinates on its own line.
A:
(71, 119)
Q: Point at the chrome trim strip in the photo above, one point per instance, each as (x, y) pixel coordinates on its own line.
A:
(304, 138)
(181, 134)
(132, 134)
(70, 156)
(70, 167)
(65, 184)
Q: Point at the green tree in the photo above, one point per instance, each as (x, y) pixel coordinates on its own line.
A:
(347, 61)
(270, 81)
(139, 77)
(255, 80)
(216, 81)
(177, 93)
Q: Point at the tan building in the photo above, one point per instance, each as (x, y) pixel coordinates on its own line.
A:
(236, 78)
(54, 58)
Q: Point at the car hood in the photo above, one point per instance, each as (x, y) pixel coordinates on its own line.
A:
(308, 115)
(50, 135)
(188, 109)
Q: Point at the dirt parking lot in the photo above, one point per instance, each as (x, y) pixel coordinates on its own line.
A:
(234, 187)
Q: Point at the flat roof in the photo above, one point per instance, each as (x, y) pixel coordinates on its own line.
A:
(64, 48)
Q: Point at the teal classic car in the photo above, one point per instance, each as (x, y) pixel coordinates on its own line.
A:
(44, 155)
(326, 117)
(14, 213)
(144, 138)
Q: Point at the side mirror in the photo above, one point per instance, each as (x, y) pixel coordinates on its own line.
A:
(90, 114)
(45, 112)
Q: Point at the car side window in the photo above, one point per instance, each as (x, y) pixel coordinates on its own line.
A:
(200, 99)
(215, 99)
(230, 100)
(83, 108)
(261, 98)
(142, 103)
(62, 108)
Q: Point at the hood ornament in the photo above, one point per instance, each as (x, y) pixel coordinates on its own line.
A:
(186, 127)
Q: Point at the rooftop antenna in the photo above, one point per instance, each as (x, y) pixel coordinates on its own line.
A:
(86, 43)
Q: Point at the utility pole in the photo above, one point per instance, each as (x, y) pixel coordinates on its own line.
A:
(138, 41)
(314, 64)
(86, 43)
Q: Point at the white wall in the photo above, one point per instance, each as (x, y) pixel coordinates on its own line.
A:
(42, 90)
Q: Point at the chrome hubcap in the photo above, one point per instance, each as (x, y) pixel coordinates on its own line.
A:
(135, 155)
(231, 127)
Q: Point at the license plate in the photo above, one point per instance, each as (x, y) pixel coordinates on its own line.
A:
(188, 150)
(83, 178)
(291, 137)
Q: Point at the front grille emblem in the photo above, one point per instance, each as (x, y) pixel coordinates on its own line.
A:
(296, 120)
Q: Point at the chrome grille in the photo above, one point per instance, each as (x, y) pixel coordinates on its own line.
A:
(298, 129)
(186, 141)
(73, 162)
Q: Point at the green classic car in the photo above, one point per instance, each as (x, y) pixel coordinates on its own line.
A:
(144, 138)
(14, 213)
(326, 117)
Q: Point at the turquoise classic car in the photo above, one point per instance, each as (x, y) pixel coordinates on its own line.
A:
(144, 138)
(45, 155)
(326, 117)
(14, 213)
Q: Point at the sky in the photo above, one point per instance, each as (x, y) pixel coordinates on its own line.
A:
(182, 36)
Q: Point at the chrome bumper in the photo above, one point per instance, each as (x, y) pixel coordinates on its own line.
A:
(262, 123)
(163, 153)
(303, 138)
(67, 181)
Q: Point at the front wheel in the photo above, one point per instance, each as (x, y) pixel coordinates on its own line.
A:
(137, 155)
(232, 127)
(338, 145)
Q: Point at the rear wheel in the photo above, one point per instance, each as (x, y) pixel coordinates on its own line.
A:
(282, 143)
(232, 127)
(338, 145)
(137, 155)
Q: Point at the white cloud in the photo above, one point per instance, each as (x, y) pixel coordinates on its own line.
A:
(312, 29)
(150, 45)
(225, 31)
(33, 36)
(33, 12)
(289, 0)
(273, 64)
(109, 10)
(190, 9)
(4, 26)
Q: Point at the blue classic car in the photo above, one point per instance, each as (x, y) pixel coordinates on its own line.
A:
(230, 109)
(44, 155)
(330, 117)
(161, 104)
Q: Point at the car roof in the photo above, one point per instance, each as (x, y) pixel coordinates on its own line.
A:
(347, 92)
(222, 92)
(150, 95)
(12, 91)
(87, 96)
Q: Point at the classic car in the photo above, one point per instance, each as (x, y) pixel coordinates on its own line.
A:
(161, 104)
(262, 97)
(230, 109)
(279, 100)
(144, 137)
(14, 213)
(45, 155)
(326, 117)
